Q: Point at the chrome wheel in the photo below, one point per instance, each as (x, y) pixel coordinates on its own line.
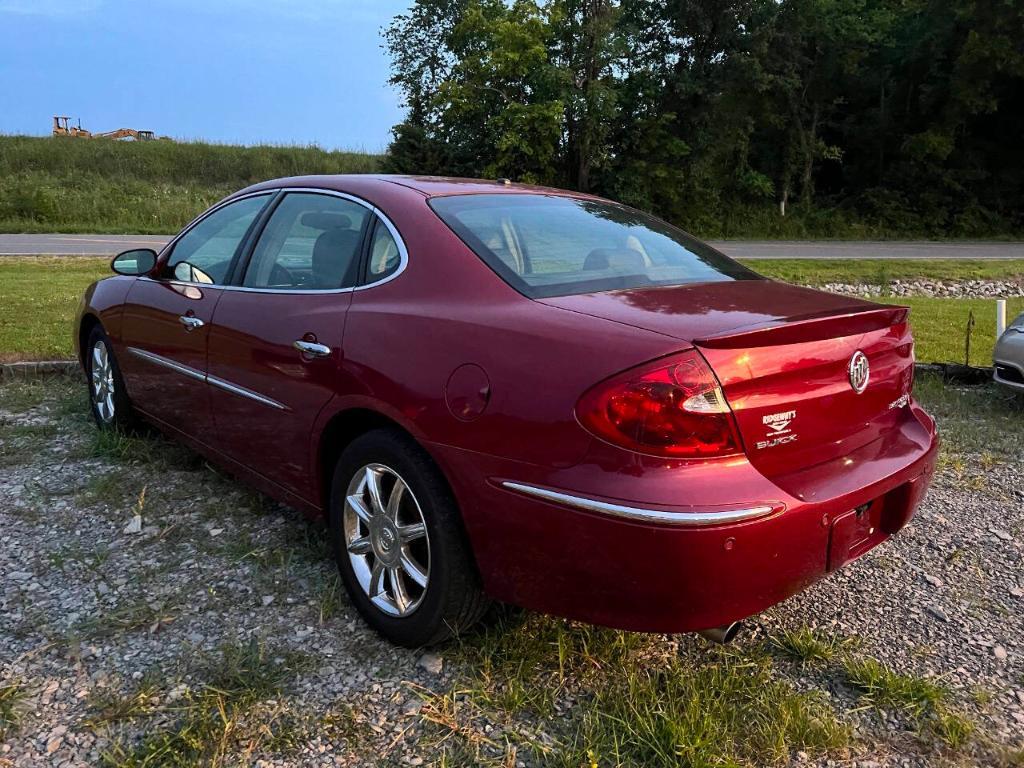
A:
(386, 539)
(102, 382)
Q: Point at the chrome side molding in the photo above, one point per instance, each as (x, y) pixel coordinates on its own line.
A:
(212, 380)
(158, 360)
(636, 514)
(227, 386)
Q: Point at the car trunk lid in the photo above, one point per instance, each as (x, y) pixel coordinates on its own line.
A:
(795, 392)
(783, 356)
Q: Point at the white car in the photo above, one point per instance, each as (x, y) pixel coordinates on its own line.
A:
(1008, 358)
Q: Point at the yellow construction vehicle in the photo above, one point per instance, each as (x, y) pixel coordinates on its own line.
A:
(62, 127)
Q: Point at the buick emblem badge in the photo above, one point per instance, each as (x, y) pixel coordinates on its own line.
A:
(860, 371)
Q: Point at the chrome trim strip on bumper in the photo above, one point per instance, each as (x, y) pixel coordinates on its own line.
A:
(681, 519)
(200, 376)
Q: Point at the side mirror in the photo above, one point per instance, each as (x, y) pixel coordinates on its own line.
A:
(133, 263)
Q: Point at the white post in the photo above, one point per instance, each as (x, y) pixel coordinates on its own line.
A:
(1000, 317)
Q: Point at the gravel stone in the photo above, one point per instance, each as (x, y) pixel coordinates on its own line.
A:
(431, 662)
(937, 612)
(954, 289)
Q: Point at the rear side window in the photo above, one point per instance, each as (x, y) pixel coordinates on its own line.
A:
(311, 242)
(546, 245)
(204, 253)
(385, 257)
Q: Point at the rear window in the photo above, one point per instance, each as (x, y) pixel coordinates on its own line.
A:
(546, 245)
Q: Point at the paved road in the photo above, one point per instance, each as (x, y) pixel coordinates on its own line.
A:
(108, 245)
(76, 245)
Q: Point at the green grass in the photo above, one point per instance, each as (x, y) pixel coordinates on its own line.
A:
(81, 185)
(940, 327)
(924, 700)
(40, 295)
(608, 698)
(638, 701)
(885, 689)
(233, 714)
(986, 420)
(134, 616)
(881, 271)
(141, 446)
(723, 710)
(807, 646)
(12, 695)
(111, 706)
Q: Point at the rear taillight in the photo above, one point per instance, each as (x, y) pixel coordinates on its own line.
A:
(671, 407)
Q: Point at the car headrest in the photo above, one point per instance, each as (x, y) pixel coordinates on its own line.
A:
(620, 259)
(334, 253)
(325, 220)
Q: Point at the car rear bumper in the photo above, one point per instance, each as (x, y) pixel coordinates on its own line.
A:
(544, 543)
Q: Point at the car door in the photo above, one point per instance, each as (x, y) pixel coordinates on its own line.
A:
(276, 340)
(165, 323)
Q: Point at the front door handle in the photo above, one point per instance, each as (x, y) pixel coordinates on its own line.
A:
(190, 323)
(311, 348)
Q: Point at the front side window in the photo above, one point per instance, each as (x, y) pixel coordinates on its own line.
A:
(311, 242)
(547, 245)
(204, 253)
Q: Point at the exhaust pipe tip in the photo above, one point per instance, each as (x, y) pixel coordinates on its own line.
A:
(723, 634)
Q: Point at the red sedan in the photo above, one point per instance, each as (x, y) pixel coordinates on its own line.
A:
(496, 391)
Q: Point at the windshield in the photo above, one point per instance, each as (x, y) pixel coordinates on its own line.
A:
(546, 245)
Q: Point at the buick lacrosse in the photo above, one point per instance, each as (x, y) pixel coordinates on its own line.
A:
(502, 392)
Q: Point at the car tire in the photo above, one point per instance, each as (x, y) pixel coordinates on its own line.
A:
(108, 399)
(415, 590)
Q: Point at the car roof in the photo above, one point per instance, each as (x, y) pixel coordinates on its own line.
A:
(447, 185)
(428, 186)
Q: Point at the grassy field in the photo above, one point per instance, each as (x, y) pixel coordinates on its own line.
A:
(39, 296)
(79, 185)
(881, 271)
(60, 184)
(940, 325)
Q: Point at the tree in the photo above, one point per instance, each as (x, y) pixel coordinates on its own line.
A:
(903, 115)
(586, 45)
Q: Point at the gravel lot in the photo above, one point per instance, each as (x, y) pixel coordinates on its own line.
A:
(136, 582)
(946, 289)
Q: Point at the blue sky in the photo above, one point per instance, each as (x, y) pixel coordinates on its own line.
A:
(236, 71)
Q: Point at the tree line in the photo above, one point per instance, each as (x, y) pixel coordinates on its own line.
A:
(729, 117)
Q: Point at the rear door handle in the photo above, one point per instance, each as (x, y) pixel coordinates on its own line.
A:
(312, 348)
(190, 323)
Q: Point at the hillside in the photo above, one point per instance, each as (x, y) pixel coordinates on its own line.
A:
(84, 185)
